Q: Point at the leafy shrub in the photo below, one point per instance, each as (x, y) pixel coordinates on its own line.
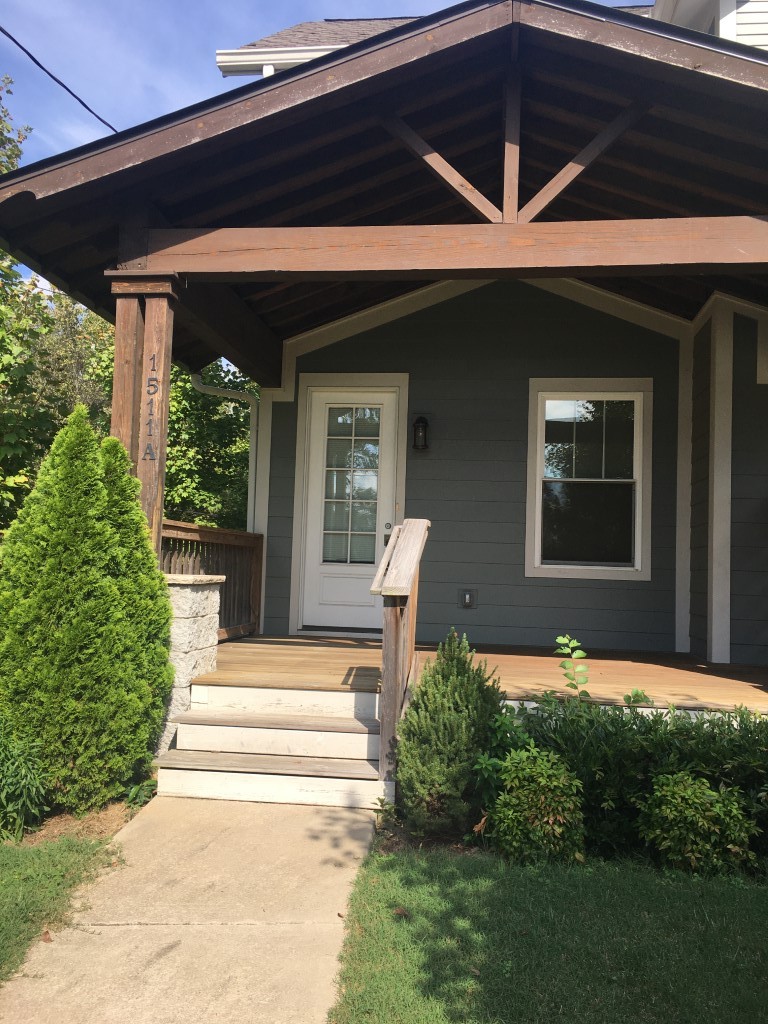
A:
(84, 624)
(691, 825)
(447, 725)
(22, 785)
(538, 814)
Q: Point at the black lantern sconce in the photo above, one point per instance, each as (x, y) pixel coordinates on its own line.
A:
(420, 434)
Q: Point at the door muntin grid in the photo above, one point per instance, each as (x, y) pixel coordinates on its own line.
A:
(350, 506)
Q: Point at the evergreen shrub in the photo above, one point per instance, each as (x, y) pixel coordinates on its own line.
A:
(445, 728)
(538, 814)
(84, 623)
(691, 825)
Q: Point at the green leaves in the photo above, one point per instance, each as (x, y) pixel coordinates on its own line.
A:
(576, 675)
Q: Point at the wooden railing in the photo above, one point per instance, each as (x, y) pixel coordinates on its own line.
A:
(397, 581)
(190, 550)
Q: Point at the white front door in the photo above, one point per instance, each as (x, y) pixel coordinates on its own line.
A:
(351, 507)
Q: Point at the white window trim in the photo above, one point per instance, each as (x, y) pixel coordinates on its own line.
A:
(639, 389)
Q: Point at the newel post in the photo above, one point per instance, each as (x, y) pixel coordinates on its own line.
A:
(141, 384)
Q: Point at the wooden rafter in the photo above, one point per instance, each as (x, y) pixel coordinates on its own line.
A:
(674, 245)
(511, 113)
(556, 185)
(442, 170)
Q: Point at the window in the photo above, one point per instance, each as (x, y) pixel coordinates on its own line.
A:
(588, 507)
(351, 484)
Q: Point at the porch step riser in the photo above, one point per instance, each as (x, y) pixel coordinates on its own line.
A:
(274, 701)
(271, 789)
(298, 743)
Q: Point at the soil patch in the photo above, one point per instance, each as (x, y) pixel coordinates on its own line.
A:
(96, 825)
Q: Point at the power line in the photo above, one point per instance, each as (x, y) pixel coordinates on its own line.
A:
(58, 81)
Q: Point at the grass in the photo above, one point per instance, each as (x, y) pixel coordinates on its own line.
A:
(436, 937)
(36, 883)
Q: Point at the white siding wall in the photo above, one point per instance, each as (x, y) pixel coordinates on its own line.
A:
(752, 23)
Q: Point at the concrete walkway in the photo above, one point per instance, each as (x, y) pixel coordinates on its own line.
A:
(223, 912)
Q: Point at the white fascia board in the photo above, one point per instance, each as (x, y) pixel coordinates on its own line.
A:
(250, 61)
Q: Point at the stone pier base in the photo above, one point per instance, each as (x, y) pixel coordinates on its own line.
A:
(194, 639)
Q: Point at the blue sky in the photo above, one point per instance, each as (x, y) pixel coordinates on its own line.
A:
(132, 60)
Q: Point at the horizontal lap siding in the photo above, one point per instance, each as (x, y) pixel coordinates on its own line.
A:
(282, 472)
(749, 502)
(702, 358)
(469, 362)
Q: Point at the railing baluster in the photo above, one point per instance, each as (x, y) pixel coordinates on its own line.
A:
(190, 550)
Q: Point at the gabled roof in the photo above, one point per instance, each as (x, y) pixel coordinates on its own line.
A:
(310, 147)
(329, 32)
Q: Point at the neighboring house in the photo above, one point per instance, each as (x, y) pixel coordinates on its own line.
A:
(539, 227)
(741, 21)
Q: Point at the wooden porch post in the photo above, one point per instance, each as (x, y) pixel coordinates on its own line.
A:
(143, 341)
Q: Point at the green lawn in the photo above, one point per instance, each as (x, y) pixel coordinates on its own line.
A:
(35, 887)
(436, 937)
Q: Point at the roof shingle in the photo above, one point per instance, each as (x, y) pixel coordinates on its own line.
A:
(330, 32)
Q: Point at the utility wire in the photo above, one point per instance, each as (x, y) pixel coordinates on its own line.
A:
(58, 81)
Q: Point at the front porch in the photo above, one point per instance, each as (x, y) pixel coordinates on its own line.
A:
(355, 665)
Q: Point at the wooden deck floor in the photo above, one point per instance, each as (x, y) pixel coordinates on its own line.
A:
(331, 664)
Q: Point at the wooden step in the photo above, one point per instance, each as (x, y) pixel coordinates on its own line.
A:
(247, 732)
(263, 778)
(367, 680)
(283, 700)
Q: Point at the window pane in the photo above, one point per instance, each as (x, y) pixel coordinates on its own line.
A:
(619, 440)
(364, 516)
(588, 455)
(558, 438)
(337, 484)
(362, 548)
(340, 422)
(336, 515)
(338, 452)
(367, 421)
(335, 547)
(588, 523)
(366, 455)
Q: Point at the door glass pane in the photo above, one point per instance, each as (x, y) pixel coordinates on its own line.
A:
(352, 451)
(337, 515)
(340, 421)
(337, 484)
(336, 547)
(364, 516)
(338, 452)
(367, 421)
(362, 548)
(366, 454)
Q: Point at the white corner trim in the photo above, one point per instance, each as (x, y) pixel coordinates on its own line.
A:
(683, 517)
(261, 505)
(614, 305)
(352, 382)
(637, 388)
(726, 11)
(719, 539)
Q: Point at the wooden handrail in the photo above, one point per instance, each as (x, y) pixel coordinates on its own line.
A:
(189, 549)
(397, 581)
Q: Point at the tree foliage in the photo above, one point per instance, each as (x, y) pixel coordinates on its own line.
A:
(84, 622)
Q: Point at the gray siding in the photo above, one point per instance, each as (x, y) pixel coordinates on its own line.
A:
(469, 362)
(702, 358)
(749, 502)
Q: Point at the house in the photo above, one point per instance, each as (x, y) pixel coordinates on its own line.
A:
(741, 21)
(503, 269)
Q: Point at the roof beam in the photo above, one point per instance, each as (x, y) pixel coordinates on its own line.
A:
(581, 161)
(412, 252)
(442, 170)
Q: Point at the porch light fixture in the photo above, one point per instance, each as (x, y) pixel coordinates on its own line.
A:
(420, 429)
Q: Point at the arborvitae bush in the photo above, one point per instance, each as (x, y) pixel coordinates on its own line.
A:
(446, 727)
(75, 671)
(538, 815)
